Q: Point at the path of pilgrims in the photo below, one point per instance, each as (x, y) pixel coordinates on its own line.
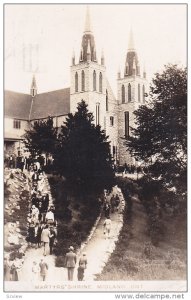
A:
(97, 248)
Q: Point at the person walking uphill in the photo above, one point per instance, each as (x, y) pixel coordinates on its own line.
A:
(43, 269)
(107, 227)
(45, 239)
(82, 266)
(70, 262)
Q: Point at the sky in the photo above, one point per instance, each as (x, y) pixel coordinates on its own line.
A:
(54, 32)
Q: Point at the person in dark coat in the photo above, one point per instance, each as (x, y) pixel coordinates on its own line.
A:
(52, 238)
(47, 201)
(107, 209)
(44, 208)
(31, 233)
(34, 200)
(35, 177)
(38, 235)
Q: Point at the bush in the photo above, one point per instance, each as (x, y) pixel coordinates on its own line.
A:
(75, 215)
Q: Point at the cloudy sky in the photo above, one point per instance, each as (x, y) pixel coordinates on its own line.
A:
(42, 38)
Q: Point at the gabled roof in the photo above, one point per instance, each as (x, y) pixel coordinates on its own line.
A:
(17, 105)
(24, 107)
(55, 103)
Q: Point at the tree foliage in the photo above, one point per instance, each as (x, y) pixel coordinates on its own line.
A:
(160, 135)
(83, 153)
(41, 137)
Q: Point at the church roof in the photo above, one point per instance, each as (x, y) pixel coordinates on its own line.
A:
(55, 103)
(17, 105)
(24, 107)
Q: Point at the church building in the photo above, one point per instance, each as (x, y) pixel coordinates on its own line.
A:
(88, 83)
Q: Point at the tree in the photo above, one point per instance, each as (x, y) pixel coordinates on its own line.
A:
(41, 137)
(83, 153)
(160, 135)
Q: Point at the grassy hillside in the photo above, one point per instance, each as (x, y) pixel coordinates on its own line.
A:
(135, 256)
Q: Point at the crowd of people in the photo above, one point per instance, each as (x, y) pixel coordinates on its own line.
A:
(110, 205)
(41, 223)
(26, 162)
(130, 169)
(42, 226)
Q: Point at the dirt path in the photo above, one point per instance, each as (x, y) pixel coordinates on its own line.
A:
(98, 250)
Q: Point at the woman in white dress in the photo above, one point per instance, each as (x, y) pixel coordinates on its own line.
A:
(35, 272)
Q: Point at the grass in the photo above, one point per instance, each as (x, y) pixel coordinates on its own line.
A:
(136, 257)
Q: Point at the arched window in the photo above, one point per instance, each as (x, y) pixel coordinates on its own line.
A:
(97, 113)
(106, 100)
(94, 80)
(83, 81)
(139, 93)
(143, 94)
(129, 92)
(100, 82)
(126, 124)
(123, 94)
(76, 82)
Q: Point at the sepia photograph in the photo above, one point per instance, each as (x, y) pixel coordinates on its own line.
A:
(95, 147)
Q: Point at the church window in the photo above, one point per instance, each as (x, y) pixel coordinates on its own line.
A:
(76, 82)
(123, 93)
(129, 92)
(105, 124)
(113, 150)
(16, 124)
(100, 82)
(83, 81)
(139, 93)
(94, 80)
(97, 113)
(143, 94)
(111, 121)
(126, 124)
(106, 100)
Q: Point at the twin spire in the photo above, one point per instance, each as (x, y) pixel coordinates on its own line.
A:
(131, 45)
(87, 28)
(88, 50)
(132, 66)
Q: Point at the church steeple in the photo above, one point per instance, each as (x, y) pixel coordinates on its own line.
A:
(132, 67)
(33, 90)
(131, 45)
(87, 28)
(88, 51)
(144, 72)
(102, 58)
(73, 58)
